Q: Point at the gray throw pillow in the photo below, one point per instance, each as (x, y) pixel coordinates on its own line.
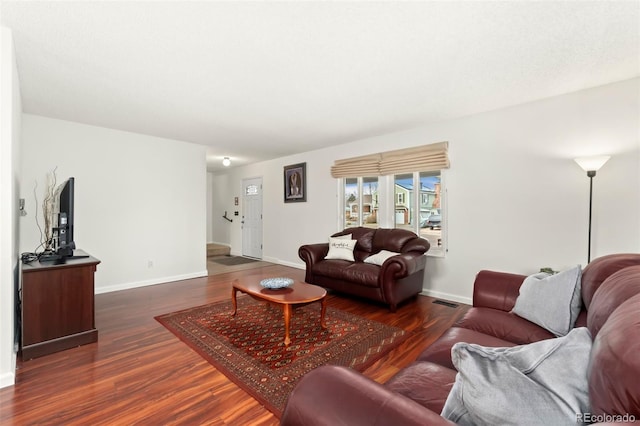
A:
(542, 383)
(551, 301)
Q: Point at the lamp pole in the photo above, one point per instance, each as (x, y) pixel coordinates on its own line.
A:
(591, 165)
(591, 174)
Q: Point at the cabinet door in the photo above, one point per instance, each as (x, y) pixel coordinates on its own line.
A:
(56, 303)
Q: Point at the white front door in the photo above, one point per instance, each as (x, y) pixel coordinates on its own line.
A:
(252, 218)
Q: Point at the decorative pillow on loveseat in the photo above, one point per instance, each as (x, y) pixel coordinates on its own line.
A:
(551, 301)
(542, 383)
(341, 248)
(380, 257)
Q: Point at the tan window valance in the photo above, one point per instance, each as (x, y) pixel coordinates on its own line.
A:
(367, 165)
(424, 158)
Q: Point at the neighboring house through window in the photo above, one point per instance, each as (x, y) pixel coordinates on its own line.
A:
(422, 213)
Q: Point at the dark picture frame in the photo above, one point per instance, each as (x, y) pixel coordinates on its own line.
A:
(295, 183)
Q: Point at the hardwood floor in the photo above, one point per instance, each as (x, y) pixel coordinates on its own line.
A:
(140, 373)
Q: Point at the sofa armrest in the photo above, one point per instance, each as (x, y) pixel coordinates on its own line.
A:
(333, 395)
(311, 254)
(402, 265)
(497, 290)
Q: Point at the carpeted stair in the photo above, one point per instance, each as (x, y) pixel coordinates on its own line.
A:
(218, 250)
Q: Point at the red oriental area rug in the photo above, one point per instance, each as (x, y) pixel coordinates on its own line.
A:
(249, 347)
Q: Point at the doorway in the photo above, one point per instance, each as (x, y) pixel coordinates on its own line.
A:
(252, 217)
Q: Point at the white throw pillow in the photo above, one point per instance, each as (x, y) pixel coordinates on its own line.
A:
(380, 257)
(551, 301)
(343, 237)
(341, 248)
(542, 383)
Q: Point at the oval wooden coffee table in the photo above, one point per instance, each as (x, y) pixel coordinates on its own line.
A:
(298, 293)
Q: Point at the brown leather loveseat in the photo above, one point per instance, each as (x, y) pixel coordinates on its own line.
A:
(416, 395)
(395, 280)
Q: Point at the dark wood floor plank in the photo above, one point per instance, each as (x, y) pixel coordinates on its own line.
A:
(140, 373)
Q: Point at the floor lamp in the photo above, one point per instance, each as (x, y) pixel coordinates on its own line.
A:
(591, 165)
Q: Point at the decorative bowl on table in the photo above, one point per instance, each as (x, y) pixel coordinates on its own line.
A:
(275, 283)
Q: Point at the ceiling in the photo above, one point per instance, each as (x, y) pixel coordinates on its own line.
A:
(261, 80)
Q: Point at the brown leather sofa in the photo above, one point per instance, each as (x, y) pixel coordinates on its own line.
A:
(396, 280)
(332, 395)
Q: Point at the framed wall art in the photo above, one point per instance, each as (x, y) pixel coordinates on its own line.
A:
(295, 183)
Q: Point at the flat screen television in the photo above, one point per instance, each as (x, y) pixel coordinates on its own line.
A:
(63, 218)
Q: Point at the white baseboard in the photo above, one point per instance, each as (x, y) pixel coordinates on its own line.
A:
(284, 263)
(447, 296)
(161, 280)
(277, 261)
(7, 379)
(436, 294)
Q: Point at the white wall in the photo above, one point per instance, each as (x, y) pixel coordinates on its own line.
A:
(140, 201)
(10, 116)
(517, 200)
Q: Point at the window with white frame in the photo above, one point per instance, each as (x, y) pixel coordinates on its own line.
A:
(361, 202)
(422, 213)
(402, 189)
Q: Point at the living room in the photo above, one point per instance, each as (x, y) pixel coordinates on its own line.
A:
(516, 200)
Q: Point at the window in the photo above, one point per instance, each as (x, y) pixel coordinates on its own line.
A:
(422, 213)
(404, 190)
(416, 205)
(251, 190)
(351, 202)
(361, 202)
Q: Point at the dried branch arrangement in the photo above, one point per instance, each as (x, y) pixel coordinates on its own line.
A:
(48, 207)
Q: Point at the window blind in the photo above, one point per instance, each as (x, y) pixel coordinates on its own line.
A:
(367, 165)
(424, 158)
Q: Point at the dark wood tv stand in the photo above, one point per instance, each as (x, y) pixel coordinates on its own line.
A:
(57, 303)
